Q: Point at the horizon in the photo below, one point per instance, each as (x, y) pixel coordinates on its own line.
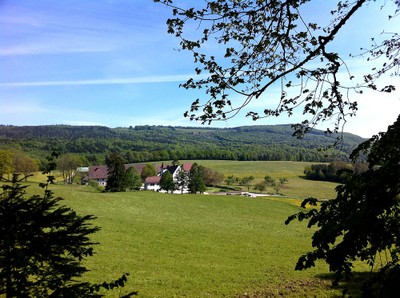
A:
(182, 127)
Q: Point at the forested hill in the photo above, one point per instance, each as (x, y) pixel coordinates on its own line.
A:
(152, 143)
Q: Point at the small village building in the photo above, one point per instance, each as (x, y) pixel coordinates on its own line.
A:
(152, 183)
(99, 174)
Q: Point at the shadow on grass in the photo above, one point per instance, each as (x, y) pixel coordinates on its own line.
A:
(320, 286)
(382, 283)
(308, 287)
(351, 287)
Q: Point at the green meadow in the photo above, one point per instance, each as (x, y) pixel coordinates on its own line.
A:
(204, 245)
(297, 186)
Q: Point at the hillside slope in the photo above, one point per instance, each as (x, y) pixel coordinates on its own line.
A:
(151, 143)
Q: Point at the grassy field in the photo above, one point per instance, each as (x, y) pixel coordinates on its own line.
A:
(297, 186)
(204, 245)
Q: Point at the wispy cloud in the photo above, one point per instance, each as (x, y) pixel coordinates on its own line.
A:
(112, 81)
(53, 47)
(22, 107)
(36, 29)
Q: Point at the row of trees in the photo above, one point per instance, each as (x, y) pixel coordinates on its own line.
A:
(163, 143)
(234, 151)
(267, 182)
(334, 172)
(270, 182)
(16, 162)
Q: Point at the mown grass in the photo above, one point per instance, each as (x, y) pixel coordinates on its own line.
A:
(297, 186)
(197, 245)
(203, 245)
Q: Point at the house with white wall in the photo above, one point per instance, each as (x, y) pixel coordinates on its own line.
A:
(100, 174)
(153, 182)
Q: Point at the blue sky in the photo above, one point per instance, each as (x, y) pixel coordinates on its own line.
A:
(112, 63)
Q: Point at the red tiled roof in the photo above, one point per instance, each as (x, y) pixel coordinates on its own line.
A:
(187, 166)
(153, 180)
(98, 172)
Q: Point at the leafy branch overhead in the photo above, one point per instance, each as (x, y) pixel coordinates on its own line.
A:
(268, 44)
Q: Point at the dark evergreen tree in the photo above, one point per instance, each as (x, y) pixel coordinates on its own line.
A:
(42, 246)
(49, 164)
(116, 180)
(196, 182)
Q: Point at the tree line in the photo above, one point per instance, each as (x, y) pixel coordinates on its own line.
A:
(157, 143)
(335, 171)
(17, 162)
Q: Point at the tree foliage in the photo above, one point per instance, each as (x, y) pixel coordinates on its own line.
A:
(67, 164)
(49, 164)
(6, 162)
(159, 143)
(43, 245)
(14, 161)
(327, 172)
(167, 182)
(246, 181)
(182, 180)
(231, 180)
(133, 179)
(116, 180)
(148, 171)
(260, 186)
(196, 180)
(212, 177)
(270, 182)
(363, 222)
(24, 164)
(269, 44)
